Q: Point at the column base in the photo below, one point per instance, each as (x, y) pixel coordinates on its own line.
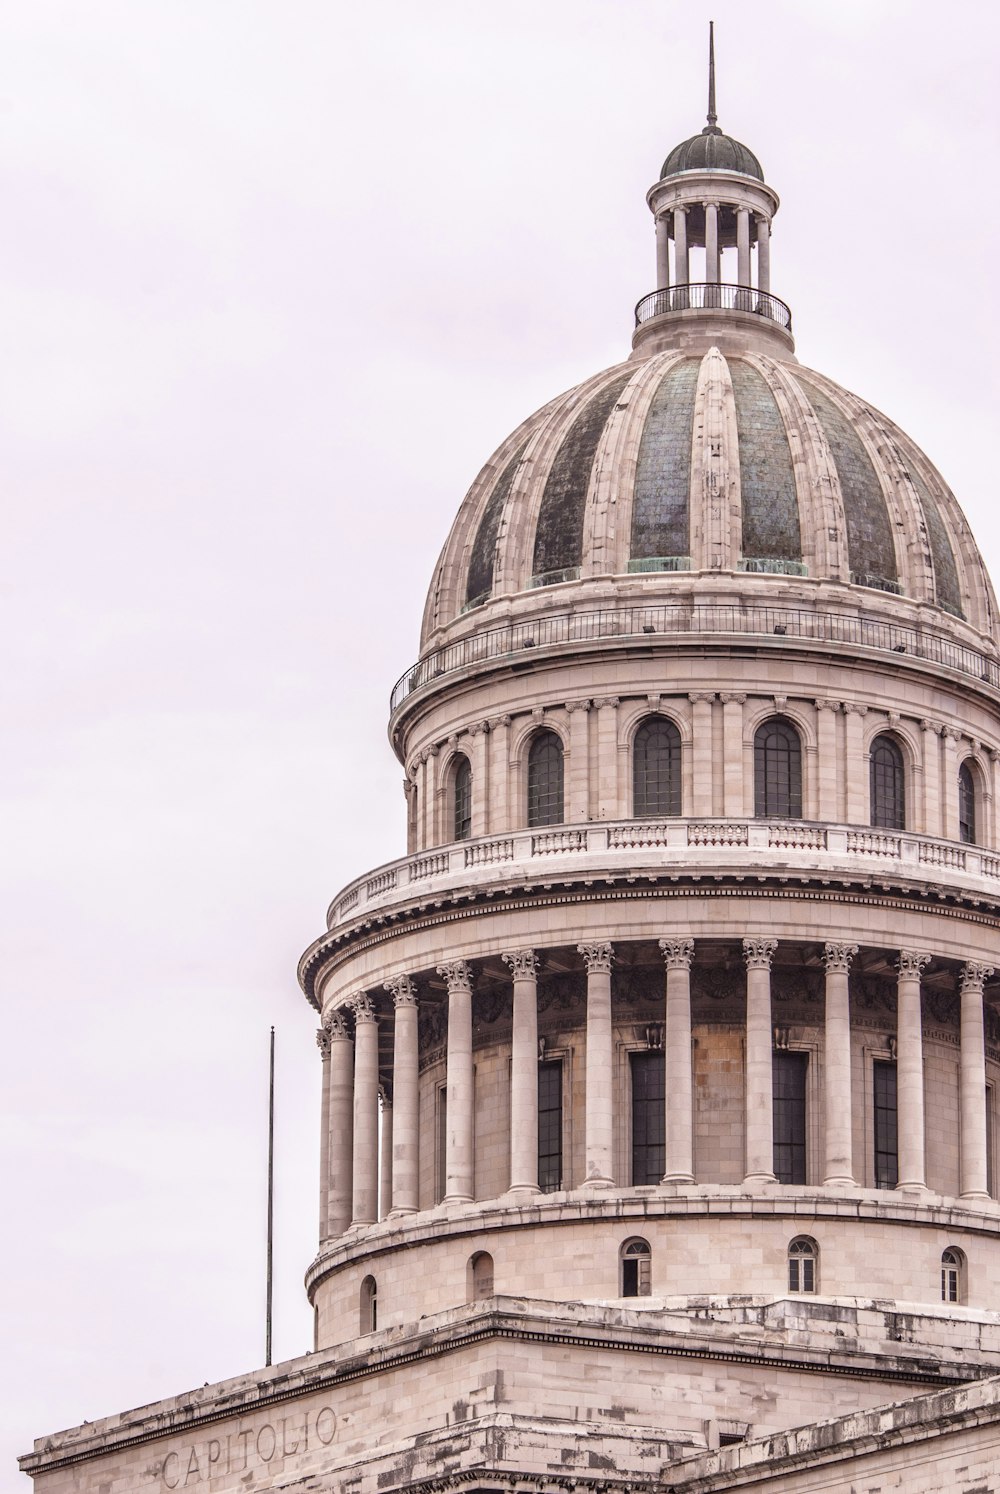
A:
(402, 1211)
(975, 1196)
(683, 1179)
(839, 1181)
(912, 1186)
(458, 1198)
(759, 1179)
(599, 1182)
(523, 1190)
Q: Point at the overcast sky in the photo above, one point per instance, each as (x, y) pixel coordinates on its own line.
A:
(276, 279)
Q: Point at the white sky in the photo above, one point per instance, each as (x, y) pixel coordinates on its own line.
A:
(276, 279)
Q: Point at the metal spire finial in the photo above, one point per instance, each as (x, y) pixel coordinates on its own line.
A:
(713, 118)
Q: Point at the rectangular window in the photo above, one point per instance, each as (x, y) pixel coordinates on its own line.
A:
(648, 1117)
(886, 1152)
(441, 1144)
(788, 1103)
(550, 1126)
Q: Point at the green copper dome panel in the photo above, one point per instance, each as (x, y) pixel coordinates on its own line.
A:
(770, 506)
(480, 579)
(870, 548)
(947, 590)
(559, 535)
(660, 507)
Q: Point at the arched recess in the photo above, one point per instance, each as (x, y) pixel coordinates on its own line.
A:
(480, 1277)
(954, 1286)
(803, 1264)
(368, 1321)
(635, 1262)
(459, 799)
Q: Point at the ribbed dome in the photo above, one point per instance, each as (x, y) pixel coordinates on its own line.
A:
(711, 464)
(712, 151)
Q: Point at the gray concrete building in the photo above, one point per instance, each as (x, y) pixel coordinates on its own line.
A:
(659, 1077)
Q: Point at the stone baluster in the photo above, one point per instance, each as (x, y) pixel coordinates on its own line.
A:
(365, 1208)
(856, 765)
(733, 803)
(340, 1146)
(459, 1167)
(759, 1063)
(524, 1072)
(677, 1046)
(578, 762)
(323, 1043)
(702, 755)
(973, 1081)
(910, 1070)
(406, 1096)
(599, 1129)
(385, 1155)
(837, 1064)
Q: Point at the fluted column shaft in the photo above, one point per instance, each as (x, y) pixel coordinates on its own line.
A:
(578, 762)
(340, 1149)
(323, 1043)
(524, 1072)
(365, 1193)
(856, 765)
(679, 1149)
(662, 253)
(763, 254)
(827, 760)
(837, 1065)
(973, 1081)
(385, 1158)
(743, 245)
(478, 759)
(607, 757)
(949, 779)
(406, 1096)
(712, 266)
(702, 755)
(759, 1070)
(599, 1127)
(732, 754)
(459, 1166)
(910, 1071)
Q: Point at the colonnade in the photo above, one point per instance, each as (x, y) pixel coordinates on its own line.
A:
(673, 224)
(349, 1194)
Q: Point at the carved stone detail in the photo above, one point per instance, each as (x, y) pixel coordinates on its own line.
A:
(402, 990)
(496, 721)
(323, 1043)
(457, 975)
(606, 700)
(578, 705)
(974, 975)
(336, 1025)
(695, 695)
(911, 963)
(596, 957)
(838, 957)
(758, 952)
(728, 696)
(828, 705)
(523, 963)
(363, 1008)
(677, 953)
(853, 709)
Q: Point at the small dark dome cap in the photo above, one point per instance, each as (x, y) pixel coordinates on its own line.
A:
(712, 151)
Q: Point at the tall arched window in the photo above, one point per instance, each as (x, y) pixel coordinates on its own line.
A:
(803, 1261)
(545, 780)
(966, 805)
(777, 764)
(462, 791)
(369, 1305)
(656, 769)
(888, 794)
(635, 1260)
(952, 1273)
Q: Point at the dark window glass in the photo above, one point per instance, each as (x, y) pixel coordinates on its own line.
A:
(888, 803)
(777, 754)
(789, 1107)
(656, 769)
(636, 1262)
(886, 1150)
(950, 1271)
(545, 780)
(648, 1117)
(966, 805)
(463, 799)
(550, 1126)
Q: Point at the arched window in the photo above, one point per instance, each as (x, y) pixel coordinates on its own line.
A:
(953, 1275)
(545, 780)
(369, 1305)
(803, 1263)
(462, 793)
(656, 769)
(966, 805)
(777, 771)
(635, 1260)
(888, 798)
(480, 1276)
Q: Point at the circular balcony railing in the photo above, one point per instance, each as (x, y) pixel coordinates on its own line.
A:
(713, 297)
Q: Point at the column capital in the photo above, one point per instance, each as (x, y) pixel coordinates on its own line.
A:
(605, 700)
(677, 953)
(496, 721)
(433, 749)
(828, 705)
(950, 733)
(695, 696)
(597, 957)
(578, 705)
(363, 1008)
(758, 952)
(911, 964)
(974, 976)
(323, 1043)
(476, 728)
(852, 708)
(523, 963)
(730, 697)
(457, 975)
(336, 1025)
(838, 957)
(402, 989)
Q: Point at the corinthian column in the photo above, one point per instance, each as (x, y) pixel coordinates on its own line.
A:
(910, 1071)
(323, 1043)
(973, 1081)
(599, 1066)
(677, 1045)
(365, 1111)
(759, 1102)
(406, 1126)
(837, 1065)
(340, 1147)
(459, 1162)
(524, 1072)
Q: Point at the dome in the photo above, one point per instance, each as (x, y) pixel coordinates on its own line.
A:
(745, 465)
(711, 150)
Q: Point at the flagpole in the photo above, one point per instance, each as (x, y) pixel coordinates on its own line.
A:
(270, 1200)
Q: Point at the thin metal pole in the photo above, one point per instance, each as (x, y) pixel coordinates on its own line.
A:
(270, 1199)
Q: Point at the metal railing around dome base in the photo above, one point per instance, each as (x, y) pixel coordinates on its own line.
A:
(517, 639)
(713, 297)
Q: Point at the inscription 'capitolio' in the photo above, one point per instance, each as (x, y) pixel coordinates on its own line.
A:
(251, 1447)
